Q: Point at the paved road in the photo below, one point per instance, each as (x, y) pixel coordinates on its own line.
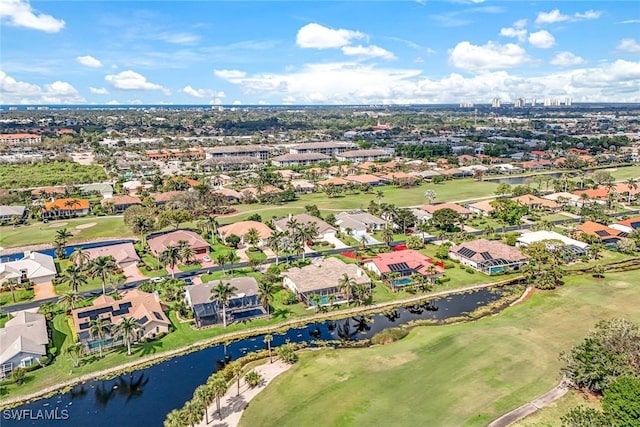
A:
(529, 408)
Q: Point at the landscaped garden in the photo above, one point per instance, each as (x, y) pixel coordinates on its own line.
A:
(463, 374)
(14, 176)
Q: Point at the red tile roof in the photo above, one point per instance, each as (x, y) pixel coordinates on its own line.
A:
(66, 205)
(457, 208)
(414, 260)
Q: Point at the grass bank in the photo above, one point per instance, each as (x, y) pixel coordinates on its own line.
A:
(463, 374)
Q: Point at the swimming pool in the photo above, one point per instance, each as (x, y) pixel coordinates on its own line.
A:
(402, 282)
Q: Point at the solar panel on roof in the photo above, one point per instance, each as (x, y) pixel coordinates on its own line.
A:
(400, 266)
(92, 314)
(466, 252)
(602, 233)
(486, 255)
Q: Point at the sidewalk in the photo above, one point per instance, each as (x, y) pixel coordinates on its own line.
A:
(232, 405)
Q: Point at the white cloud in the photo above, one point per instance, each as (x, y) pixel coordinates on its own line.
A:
(589, 14)
(13, 91)
(202, 93)
(555, 16)
(371, 51)
(551, 17)
(320, 37)
(19, 13)
(89, 61)
(566, 59)
(492, 55)
(542, 39)
(229, 74)
(98, 91)
(630, 21)
(113, 102)
(178, 38)
(628, 45)
(130, 80)
(517, 30)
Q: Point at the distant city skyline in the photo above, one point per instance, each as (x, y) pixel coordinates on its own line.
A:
(333, 52)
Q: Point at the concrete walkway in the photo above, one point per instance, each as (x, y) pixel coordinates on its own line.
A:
(232, 405)
(529, 408)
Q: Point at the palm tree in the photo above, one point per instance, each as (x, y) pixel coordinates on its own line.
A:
(233, 258)
(75, 277)
(69, 299)
(219, 387)
(170, 256)
(103, 267)
(379, 196)
(75, 352)
(363, 242)
(99, 328)
(632, 184)
(193, 412)
(430, 195)
(222, 293)
(387, 235)
(62, 237)
(187, 253)
(236, 371)
(127, 328)
(266, 292)
(221, 259)
(267, 339)
(204, 394)
(80, 258)
(346, 284)
(252, 237)
(315, 300)
(175, 418)
(142, 225)
(307, 233)
(276, 243)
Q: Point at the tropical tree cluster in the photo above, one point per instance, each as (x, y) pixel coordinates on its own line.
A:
(543, 269)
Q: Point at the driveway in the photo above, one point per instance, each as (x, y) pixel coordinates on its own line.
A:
(337, 243)
(133, 274)
(44, 290)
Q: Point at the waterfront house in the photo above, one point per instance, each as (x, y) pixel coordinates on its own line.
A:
(23, 341)
(488, 256)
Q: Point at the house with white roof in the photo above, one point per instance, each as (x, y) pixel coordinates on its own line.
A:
(575, 246)
(34, 266)
(359, 222)
(23, 341)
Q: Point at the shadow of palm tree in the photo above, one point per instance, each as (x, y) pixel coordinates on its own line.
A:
(78, 392)
(131, 387)
(103, 396)
(149, 347)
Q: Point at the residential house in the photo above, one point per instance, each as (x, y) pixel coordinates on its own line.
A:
(360, 156)
(145, 308)
(8, 213)
(482, 207)
(260, 152)
(121, 203)
(401, 178)
(431, 209)
(105, 189)
(372, 180)
(335, 181)
(628, 225)
(488, 256)
(231, 163)
(23, 341)
(241, 228)
(244, 304)
(300, 159)
(124, 254)
(576, 247)
(229, 195)
(47, 191)
(329, 148)
(19, 138)
(564, 199)
(62, 208)
(359, 222)
(159, 243)
(536, 203)
(324, 230)
(397, 266)
(302, 186)
(162, 198)
(33, 267)
(322, 277)
(427, 175)
(607, 235)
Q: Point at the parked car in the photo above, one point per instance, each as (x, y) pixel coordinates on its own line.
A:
(157, 279)
(188, 281)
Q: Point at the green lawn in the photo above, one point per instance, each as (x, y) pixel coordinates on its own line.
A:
(189, 267)
(462, 374)
(152, 263)
(20, 294)
(624, 172)
(40, 233)
(43, 174)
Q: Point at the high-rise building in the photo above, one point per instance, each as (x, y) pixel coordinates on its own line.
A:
(519, 103)
(567, 101)
(495, 103)
(533, 102)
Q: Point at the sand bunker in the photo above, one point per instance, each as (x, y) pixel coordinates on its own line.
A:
(58, 224)
(619, 284)
(87, 225)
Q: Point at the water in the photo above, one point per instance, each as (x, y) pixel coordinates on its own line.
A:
(144, 397)
(519, 180)
(402, 282)
(68, 250)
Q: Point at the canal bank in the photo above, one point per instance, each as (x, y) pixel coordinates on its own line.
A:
(200, 359)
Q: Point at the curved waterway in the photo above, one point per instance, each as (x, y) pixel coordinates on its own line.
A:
(145, 396)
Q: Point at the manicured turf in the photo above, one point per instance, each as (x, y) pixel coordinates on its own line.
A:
(42, 174)
(464, 374)
(549, 416)
(39, 233)
(625, 172)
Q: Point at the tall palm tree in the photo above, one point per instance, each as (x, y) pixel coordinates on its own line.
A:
(98, 329)
(379, 196)
(219, 387)
(267, 339)
(80, 258)
(363, 242)
(69, 299)
(175, 418)
(222, 293)
(632, 184)
(187, 253)
(430, 195)
(346, 284)
(276, 242)
(142, 225)
(221, 259)
(387, 235)
(62, 237)
(266, 292)
(307, 233)
(170, 256)
(236, 371)
(204, 394)
(75, 352)
(75, 277)
(233, 258)
(193, 410)
(103, 267)
(127, 328)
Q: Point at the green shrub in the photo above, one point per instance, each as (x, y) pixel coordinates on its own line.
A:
(389, 335)
(253, 378)
(443, 279)
(470, 270)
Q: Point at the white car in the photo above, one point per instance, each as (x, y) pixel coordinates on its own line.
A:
(157, 279)
(206, 258)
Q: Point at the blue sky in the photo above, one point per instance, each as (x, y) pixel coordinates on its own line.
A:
(313, 52)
